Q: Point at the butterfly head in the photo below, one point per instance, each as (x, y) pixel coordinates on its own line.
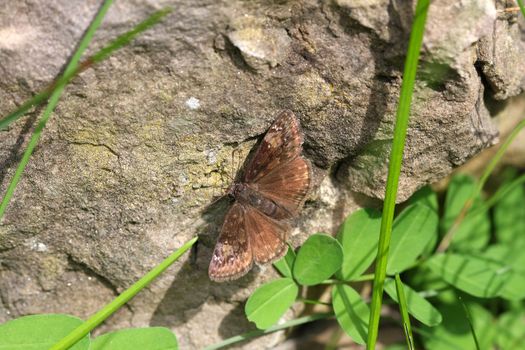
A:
(235, 190)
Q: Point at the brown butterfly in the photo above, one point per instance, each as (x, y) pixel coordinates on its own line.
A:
(272, 190)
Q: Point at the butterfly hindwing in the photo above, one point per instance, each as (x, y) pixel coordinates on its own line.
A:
(267, 236)
(232, 256)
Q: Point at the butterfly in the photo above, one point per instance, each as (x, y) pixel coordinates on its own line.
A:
(271, 192)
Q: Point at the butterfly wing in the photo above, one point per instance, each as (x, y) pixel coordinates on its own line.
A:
(267, 236)
(287, 185)
(232, 256)
(281, 144)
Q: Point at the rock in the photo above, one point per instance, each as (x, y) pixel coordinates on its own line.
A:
(260, 47)
(141, 143)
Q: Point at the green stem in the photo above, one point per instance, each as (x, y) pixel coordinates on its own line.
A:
(312, 302)
(362, 278)
(403, 306)
(109, 309)
(447, 239)
(100, 55)
(53, 100)
(500, 193)
(396, 157)
(258, 333)
(522, 7)
(471, 325)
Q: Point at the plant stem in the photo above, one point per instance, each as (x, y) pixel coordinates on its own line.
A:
(396, 157)
(403, 306)
(522, 7)
(123, 298)
(447, 239)
(100, 55)
(258, 333)
(53, 100)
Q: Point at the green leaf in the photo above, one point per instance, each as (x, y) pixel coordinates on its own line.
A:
(285, 264)
(153, 338)
(425, 196)
(474, 231)
(39, 332)
(351, 312)
(509, 216)
(511, 330)
(417, 306)
(424, 280)
(318, 259)
(511, 259)
(270, 301)
(413, 230)
(358, 235)
(454, 332)
(120, 300)
(511, 254)
(476, 275)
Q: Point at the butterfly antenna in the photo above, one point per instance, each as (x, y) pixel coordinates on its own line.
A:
(235, 167)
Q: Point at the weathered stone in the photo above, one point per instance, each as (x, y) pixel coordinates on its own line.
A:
(141, 143)
(260, 46)
(500, 55)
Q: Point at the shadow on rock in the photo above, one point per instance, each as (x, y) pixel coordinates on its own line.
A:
(191, 287)
(235, 323)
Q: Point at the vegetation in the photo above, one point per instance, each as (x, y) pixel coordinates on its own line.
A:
(452, 265)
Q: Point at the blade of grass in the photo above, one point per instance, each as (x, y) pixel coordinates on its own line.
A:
(53, 100)
(313, 302)
(335, 338)
(471, 325)
(522, 7)
(447, 238)
(500, 193)
(258, 333)
(123, 298)
(396, 157)
(403, 307)
(100, 55)
(58, 87)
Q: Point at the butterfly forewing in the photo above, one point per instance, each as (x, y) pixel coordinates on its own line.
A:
(267, 236)
(232, 256)
(281, 144)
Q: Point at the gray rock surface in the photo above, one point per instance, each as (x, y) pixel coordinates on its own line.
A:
(141, 143)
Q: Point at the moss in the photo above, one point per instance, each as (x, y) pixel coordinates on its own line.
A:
(52, 267)
(374, 155)
(311, 90)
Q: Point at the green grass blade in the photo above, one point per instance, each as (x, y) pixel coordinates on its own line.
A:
(25, 107)
(123, 298)
(53, 100)
(125, 38)
(258, 333)
(522, 7)
(499, 194)
(447, 239)
(403, 307)
(396, 157)
(100, 55)
(471, 325)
